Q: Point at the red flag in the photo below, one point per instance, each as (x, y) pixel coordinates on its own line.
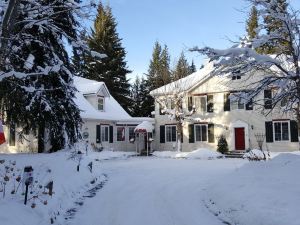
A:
(2, 137)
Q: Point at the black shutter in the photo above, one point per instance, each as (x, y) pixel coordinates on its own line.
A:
(98, 134)
(111, 134)
(294, 131)
(12, 135)
(174, 134)
(191, 133)
(268, 99)
(226, 102)
(269, 131)
(162, 132)
(249, 105)
(190, 103)
(211, 133)
(210, 103)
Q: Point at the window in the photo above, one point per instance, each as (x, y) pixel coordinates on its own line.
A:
(236, 77)
(236, 102)
(201, 132)
(268, 99)
(101, 104)
(104, 133)
(120, 133)
(190, 103)
(171, 133)
(131, 133)
(200, 103)
(284, 102)
(281, 131)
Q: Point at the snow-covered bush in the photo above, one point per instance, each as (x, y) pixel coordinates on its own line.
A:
(255, 155)
(222, 145)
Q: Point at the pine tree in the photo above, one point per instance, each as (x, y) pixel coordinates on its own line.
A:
(182, 68)
(252, 23)
(154, 67)
(164, 76)
(273, 25)
(136, 96)
(39, 95)
(192, 68)
(112, 69)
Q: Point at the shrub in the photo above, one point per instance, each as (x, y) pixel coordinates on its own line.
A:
(222, 145)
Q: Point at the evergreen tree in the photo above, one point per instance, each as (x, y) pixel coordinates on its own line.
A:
(154, 67)
(222, 145)
(112, 69)
(252, 23)
(273, 25)
(192, 68)
(39, 95)
(136, 96)
(164, 75)
(182, 68)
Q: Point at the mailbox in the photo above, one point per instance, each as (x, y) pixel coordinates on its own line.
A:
(28, 175)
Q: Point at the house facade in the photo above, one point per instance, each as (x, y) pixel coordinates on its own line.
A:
(220, 110)
(105, 123)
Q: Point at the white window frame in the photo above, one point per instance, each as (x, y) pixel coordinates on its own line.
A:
(124, 133)
(103, 127)
(199, 107)
(237, 103)
(131, 127)
(289, 133)
(166, 133)
(195, 135)
(103, 101)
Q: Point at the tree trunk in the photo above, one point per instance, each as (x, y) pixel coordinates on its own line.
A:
(41, 138)
(7, 26)
(179, 136)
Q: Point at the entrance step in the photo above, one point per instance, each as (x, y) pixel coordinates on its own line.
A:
(235, 154)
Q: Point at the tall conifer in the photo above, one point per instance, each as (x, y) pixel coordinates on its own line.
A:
(112, 69)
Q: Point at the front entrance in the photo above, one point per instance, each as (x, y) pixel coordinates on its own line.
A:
(239, 138)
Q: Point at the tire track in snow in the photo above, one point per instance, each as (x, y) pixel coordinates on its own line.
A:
(79, 202)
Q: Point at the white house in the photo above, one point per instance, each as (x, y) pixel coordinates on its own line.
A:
(218, 113)
(105, 123)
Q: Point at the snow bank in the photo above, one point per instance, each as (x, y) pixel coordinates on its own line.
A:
(201, 153)
(255, 154)
(264, 192)
(108, 154)
(61, 168)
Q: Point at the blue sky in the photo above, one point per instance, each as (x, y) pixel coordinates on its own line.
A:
(179, 24)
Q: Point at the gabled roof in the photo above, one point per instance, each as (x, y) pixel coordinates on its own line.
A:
(187, 83)
(113, 110)
(90, 87)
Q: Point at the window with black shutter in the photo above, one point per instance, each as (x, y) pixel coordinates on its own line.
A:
(191, 133)
(269, 131)
(98, 134)
(211, 133)
(111, 134)
(162, 134)
(226, 102)
(294, 131)
(210, 103)
(268, 99)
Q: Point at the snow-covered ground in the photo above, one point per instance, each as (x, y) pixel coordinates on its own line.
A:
(160, 191)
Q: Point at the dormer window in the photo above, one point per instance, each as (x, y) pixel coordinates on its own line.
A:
(101, 104)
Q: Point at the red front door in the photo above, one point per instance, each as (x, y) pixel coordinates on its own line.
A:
(239, 138)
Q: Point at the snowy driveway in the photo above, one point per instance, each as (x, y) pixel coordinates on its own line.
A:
(152, 191)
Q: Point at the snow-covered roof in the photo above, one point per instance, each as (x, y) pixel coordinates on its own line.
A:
(186, 83)
(113, 110)
(145, 126)
(87, 87)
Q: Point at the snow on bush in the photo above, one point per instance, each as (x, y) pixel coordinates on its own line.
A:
(201, 153)
(264, 192)
(255, 154)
